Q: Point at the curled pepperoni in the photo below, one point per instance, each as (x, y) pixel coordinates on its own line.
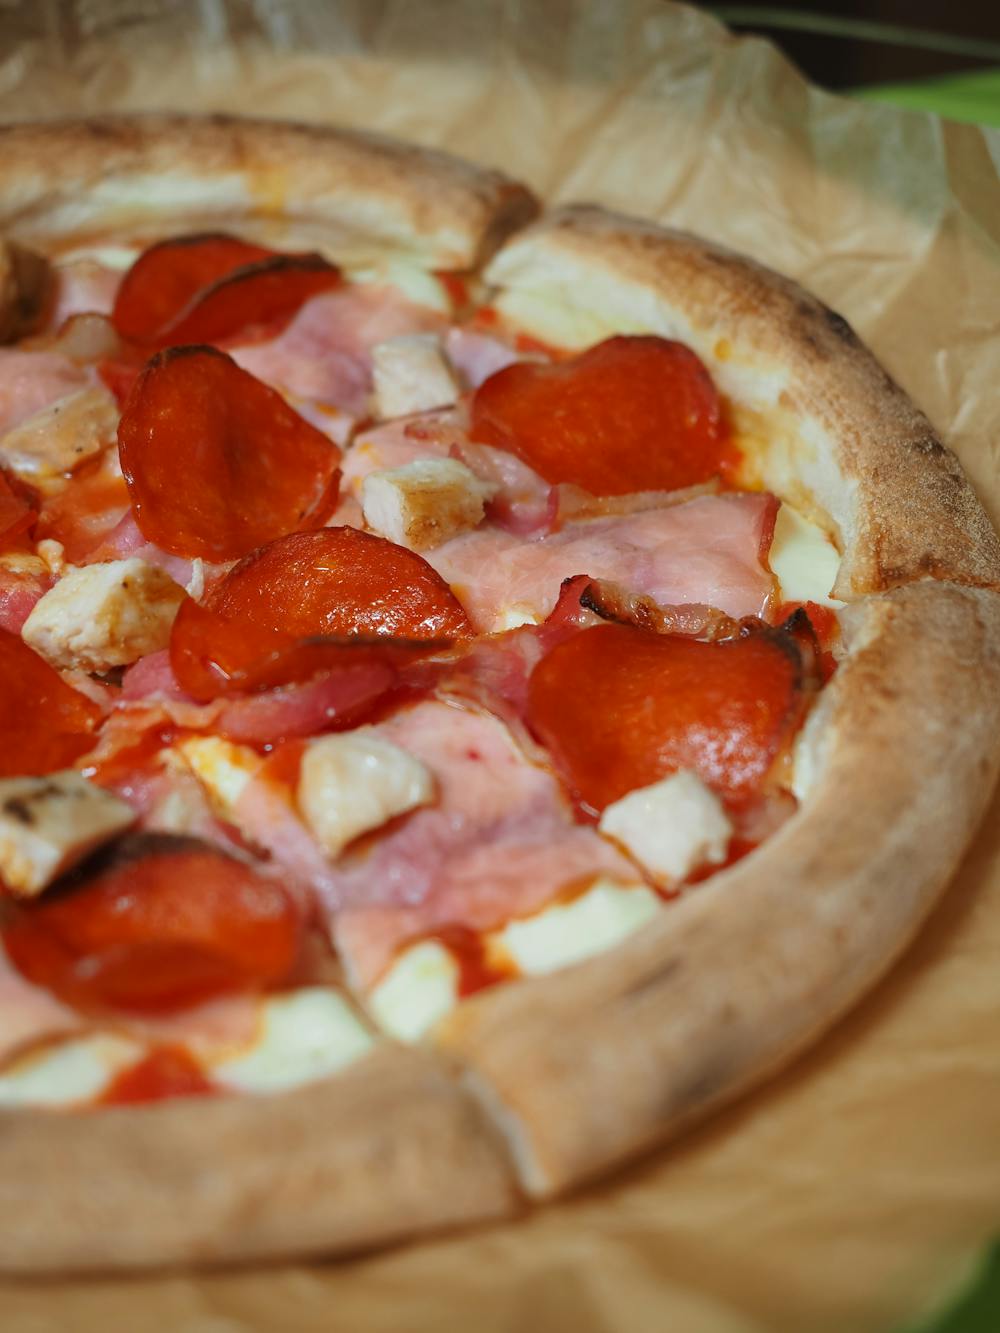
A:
(620, 708)
(44, 723)
(216, 462)
(18, 509)
(294, 607)
(160, 924)
(167, 277)
(631, 414)
(206, 289)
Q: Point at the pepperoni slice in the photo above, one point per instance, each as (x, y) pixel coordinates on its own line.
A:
(17, 509)
(216, 462)
(631, 414)
(168, 1071)
(167, 277)
(259, 626)
(206, 289)
(162, 923)
(620, 708)
(44, 723)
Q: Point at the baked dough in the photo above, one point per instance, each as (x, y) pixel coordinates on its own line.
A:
(542, 1084)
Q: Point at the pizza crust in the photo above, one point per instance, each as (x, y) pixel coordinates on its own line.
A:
(391, 1147)
(353, 196)
(557, 1079)
(830, 430)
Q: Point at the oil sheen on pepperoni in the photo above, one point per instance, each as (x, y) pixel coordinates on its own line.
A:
(633, 413)
(216, 462)
(161, 924)
(272, 618)
(44, 723)
(619, 708)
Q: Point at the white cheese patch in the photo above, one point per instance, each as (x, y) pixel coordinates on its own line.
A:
(567, 932)
(117, 257)
(305, 1035)
(804, 559)
(553, 319)
(223, 769)
(353, 782)
(411, 374)
(417, 284)
(424, 503)
(419, 988)
(67, 1072)
(671, 827)
(48, 824)
(104, 615)
(514, 616)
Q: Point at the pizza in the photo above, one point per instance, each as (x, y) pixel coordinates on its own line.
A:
(480, 687)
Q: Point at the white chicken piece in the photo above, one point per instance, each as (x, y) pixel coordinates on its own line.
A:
(671, 827)
(411, 374)
(353, 782)
(48, 824)
(424, 503)
(61, 436)
(104, 615)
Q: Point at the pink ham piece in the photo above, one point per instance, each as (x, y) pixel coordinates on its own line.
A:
(28, 1013)
(30, 381)
(125, 539)
(476, 356)
(18, 594)
(84, 286)
(499, 842)
(710, 550)
(325, 353)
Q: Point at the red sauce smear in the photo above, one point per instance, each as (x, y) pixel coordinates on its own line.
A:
(167, 1071)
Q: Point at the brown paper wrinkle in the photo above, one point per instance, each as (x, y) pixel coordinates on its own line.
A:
(855, 1189)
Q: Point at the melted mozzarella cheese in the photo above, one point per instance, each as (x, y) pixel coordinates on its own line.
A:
(67, 1072)
(569, 932)
(304, 1035)
(804, 559)
(417, 284)
(420, 987)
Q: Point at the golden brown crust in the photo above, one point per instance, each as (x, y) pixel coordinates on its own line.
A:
(587, 1067)
(822, 414)
(391, 1147)
(348, 193)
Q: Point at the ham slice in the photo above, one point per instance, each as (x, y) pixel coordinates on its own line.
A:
(20, 589)
(476, 356)
(499, 842)
(325, 352)
(30, 381)
(28, 1013)
(709, 550)
(84, 286)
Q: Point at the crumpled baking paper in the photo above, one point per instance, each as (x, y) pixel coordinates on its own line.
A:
(855, 1191)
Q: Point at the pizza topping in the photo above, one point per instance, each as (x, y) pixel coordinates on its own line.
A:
(56, 440)
(619, 708)
(306, 1034)
(251, 468)
(23, 580)
(71, 1072)
(631, 414)
(325, 353)
(162, 924)
(671, 827)
(25, 280)
(263, 624)
(44, 723)
(476, 356)
(18, 509)
(31, 381)
(424, 503)
(167, 1071)
(48, 824)
(356, 781)
(410, 374)
(804, 559)
(498, 842)
(83, 514)
(522, 502)
(106, 615)
(168, 278)
(419, 987)
(693, 620)
(707, 551)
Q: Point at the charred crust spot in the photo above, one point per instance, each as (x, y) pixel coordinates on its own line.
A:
(838, 326)
(709, 1078)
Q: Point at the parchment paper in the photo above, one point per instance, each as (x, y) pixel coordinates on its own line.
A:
(855, 1191)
